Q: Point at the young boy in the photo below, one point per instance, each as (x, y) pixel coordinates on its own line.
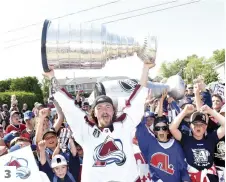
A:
(199, 148)
(60, 170)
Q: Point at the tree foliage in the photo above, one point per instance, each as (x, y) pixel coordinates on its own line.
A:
(45, 88)
(5, 85)
(24, 84)
(22, 97)
(27, 84)
(193, 66)
(219, 56)
(172, 68)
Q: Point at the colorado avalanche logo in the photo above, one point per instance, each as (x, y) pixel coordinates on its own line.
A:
(128, 85)
(108, 152)
(22, 171)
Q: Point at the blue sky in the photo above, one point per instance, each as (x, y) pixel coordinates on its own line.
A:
(198, 28)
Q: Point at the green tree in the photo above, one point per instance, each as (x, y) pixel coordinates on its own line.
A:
(194, 67)
(21, 96)
(169, 69)
(209, 74)
(5, 85)
(45, 88)
(27, 84)
(219, 56)
(200, 66)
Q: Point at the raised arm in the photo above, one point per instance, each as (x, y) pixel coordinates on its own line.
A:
(73, 114)
(60, 118)
(43, 113)
(72, 147)
(42, 147)
(197, 91)
(221, 119)
(135, 104)
(160, 104)
(189, 108)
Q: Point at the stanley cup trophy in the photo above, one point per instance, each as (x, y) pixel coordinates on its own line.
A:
(87, 46)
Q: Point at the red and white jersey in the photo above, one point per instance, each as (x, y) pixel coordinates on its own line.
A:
(19, 129)
(143, 168)
(108, 153)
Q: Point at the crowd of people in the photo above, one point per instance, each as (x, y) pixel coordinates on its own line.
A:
(179, 140)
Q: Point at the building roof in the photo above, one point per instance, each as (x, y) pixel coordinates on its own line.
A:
(219, 65)
(79, 80)
(62, 81)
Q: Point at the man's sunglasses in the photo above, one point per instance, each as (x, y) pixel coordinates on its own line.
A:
(158, 128)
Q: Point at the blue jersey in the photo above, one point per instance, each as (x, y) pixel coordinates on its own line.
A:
(166, 160)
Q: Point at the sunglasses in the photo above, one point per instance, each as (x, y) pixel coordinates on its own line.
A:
(158, 128)
(190, 88)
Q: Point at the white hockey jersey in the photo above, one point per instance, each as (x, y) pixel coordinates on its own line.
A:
(108, 154)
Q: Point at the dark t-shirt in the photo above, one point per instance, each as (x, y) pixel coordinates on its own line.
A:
(219, 153)
(200, 153)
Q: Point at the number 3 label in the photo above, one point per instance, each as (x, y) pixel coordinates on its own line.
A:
(7, 173)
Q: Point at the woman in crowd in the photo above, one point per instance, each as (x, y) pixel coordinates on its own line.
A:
(159, 149)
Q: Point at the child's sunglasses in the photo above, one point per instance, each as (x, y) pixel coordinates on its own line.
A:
(158, 128)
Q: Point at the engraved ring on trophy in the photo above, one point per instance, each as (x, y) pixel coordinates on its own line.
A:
(88, 46)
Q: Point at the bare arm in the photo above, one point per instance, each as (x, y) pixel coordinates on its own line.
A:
(42, 154)
(73, 147)
(144, 75)
(39, 130)
(198, 101)
(60, 118)
(176, 122)
(218, 117)
(135, 104)
(57, 150)
(160, 103)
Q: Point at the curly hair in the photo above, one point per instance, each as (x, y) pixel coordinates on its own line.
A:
(92, 114)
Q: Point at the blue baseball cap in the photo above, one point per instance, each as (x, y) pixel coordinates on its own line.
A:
(149, 114)
(9, 137)
(28, 115)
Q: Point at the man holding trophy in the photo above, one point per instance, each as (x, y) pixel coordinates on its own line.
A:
(107, 143)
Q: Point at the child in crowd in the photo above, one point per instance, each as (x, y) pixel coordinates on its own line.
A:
(59, 170)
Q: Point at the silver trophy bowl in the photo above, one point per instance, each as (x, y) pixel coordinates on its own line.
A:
(86, 46)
